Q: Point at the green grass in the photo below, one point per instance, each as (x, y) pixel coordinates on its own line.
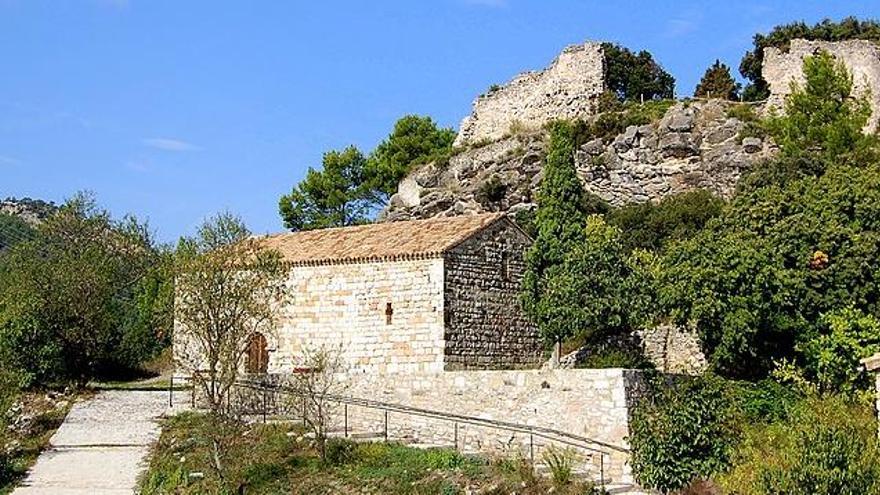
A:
(276, 458)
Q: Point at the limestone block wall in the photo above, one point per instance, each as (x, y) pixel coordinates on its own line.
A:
(861, 57)
(345, 306)
(485, 324)
(569, 88)
(594, 403)
(673, 349)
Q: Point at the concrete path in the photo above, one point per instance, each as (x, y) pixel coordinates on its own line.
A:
(101, 447)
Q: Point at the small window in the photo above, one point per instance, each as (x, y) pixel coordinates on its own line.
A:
(505, 265)
(389, 313)
(257, 360)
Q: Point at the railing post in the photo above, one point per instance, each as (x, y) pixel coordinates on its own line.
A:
(345, 408)
(304, 411)
(171, 391)
(386, 426)
(455, 440)
(532, 447)
(602, 469)
(265, 402)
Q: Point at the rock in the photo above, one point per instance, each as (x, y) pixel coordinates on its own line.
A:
(593, 147)
(678, 145)
(752, 145)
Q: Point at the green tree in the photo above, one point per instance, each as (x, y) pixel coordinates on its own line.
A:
(832, 357)
(752, 62)
(598, 291)
(336, 196)
(13, 230)
(822, 117)
(66, 296)
(414, 140)
(686, 431)
(788, 250)
(717, 83)
(652, 226)
(560, 220)
(635, 76)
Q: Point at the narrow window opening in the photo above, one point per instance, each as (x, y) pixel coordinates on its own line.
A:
(389, 313)
(505, 265)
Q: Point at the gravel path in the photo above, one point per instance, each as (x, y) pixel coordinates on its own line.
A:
(101, 447)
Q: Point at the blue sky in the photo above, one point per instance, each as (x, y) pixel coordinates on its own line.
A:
(173, 110)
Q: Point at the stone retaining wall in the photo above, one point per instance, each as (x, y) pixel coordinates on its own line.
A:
(594, 403)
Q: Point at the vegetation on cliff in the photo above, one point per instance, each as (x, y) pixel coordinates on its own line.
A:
(717, 83)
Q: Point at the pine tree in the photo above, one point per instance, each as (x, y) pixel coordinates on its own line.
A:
(560, 221)
(717, 83)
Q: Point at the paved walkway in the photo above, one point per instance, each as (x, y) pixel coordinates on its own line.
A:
(100, 448)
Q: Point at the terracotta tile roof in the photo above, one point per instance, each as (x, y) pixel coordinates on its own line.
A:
(379, 241)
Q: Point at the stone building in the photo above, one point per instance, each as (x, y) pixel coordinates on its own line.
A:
(405, 297)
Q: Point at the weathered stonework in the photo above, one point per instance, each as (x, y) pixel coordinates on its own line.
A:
(672, 349)
(694, 145)
(596, 404)
(485, 325)
(861, 57)
(568, 89)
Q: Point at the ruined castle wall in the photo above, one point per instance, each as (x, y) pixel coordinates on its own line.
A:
(861, 57)
(345, 306)
(485, 325)
(569, 88)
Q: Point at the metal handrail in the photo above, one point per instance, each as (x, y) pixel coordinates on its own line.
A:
(550, 434)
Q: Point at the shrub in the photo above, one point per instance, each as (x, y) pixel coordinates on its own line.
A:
(827, 446)
(635, 76)
(561, 463)
(743, 112)
(686, 432)
(341, 451)
(491, 191)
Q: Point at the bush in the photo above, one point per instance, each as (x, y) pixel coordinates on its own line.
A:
(827, 446)
(617, 117)
(686, 432)
(341, 451)
(491, 192)
(561, 464)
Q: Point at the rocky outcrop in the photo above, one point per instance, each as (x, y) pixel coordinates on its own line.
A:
(694, 145)
(781, 67)
(32, 211)
(568, 89)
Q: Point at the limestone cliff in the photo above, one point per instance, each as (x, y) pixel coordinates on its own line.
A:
(695, 145)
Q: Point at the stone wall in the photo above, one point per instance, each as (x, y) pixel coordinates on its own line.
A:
(861, 57)
(596, 404)
(345, 305)
(673, 349)
(485, 323)
(568, 89)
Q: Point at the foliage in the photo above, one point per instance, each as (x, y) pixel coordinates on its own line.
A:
(797, 241)
(717, 83)
(780, 37)
(686, 431)
(491, 192)
(560, 220)
(336, 196)
(413, 141)
(632, 359)
(677, 217)
(827, 445)
(561, 462)
(598, 290)
(744, 112)
(229, 287)
(320, 378)
(13, 230)
(832, 358)
(763, 401)
(69, 298)
(821, 117)
(341, 451)
(635, 76)
(615, 117)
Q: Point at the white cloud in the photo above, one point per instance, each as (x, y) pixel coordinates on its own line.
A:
(166, 144)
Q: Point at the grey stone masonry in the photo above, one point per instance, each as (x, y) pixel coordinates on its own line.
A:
(568, 89)
(485, 324)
